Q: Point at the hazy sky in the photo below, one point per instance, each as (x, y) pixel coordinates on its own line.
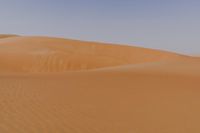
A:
(161, 24)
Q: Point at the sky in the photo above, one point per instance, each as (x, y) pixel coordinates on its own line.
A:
(172, 25)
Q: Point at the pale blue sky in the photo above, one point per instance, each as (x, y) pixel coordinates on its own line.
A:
(162, 24)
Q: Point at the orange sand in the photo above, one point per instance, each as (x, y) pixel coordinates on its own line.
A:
(52, 85)
(6, 36)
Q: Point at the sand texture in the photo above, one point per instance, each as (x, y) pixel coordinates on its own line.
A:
(53, 85)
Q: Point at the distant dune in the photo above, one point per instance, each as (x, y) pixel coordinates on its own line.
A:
(54, 85)
(6, 36)
(43, 54)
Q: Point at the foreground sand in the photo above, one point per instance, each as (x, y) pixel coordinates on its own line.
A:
(51, 85)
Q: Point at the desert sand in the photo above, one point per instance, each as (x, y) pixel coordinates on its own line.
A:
(54, 85)
(7, 36)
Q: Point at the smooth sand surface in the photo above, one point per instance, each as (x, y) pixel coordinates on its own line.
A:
(52, 85)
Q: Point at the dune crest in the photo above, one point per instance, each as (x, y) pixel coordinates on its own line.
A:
(43, 54)
(7, 36)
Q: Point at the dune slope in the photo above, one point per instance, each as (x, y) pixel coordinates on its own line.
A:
(2, 36)
(43, 54)
(51, 85)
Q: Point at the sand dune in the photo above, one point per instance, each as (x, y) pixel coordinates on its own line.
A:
(52, 85)
(2, 36)
(43, 54)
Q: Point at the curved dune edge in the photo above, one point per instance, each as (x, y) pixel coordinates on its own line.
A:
(2, 36)
(48, 55)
